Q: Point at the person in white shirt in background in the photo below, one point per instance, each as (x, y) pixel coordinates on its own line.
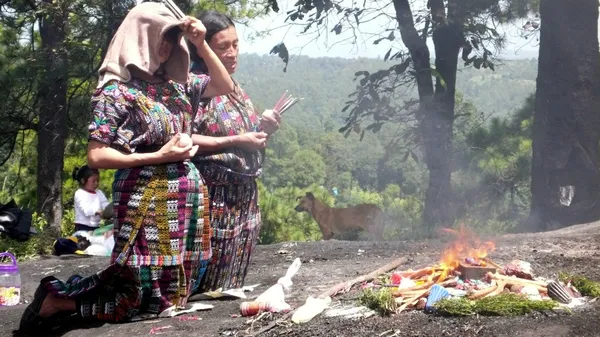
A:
(89, 200)
(90, 203)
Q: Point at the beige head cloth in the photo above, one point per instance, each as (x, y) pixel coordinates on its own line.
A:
(137, 41)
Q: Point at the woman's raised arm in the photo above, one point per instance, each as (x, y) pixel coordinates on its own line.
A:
(220, 82)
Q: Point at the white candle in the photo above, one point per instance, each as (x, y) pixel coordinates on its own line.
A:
(184, 140)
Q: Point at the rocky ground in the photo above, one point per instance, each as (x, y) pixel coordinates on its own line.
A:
(576, 249)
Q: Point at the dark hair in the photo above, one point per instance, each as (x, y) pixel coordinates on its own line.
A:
(83, 174)
(214, 22)
(172, 34)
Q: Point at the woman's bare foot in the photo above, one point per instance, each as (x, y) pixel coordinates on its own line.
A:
(48, 308)
(52, 305)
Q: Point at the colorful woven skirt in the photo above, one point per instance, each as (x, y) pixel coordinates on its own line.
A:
(162, 246)
(235, 221)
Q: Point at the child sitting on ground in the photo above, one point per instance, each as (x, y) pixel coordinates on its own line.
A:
(89, 200)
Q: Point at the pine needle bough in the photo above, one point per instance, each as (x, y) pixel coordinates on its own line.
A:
(381, 301)
(585, 286)
(499, 305)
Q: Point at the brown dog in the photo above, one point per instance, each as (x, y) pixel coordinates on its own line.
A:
(337, 221)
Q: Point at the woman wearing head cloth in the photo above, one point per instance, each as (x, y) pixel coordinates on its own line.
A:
(232, 138)
(141, 117)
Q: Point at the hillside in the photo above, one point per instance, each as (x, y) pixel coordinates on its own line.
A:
(309, 154)
(326, 83)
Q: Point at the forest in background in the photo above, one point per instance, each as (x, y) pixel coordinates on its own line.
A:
(309, 154)
(492, 148)
(438, 132)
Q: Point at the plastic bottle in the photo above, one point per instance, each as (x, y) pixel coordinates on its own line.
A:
(10, 281)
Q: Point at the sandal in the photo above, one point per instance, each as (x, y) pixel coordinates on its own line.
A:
(31, 321)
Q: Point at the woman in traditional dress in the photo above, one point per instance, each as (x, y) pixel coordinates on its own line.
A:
(230, 163)
(141, 117)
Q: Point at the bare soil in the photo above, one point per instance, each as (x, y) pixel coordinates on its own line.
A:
(575, 249)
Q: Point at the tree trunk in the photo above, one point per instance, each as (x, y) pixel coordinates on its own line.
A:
(419, 52)
(420, 56)
(566, 127)
(438, 127)
(52, 129)
(436, 116)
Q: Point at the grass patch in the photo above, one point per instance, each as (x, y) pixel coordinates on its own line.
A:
(40, 244)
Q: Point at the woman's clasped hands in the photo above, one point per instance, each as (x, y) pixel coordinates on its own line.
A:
(179, 148)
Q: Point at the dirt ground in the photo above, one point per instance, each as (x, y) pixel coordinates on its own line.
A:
(576, 249)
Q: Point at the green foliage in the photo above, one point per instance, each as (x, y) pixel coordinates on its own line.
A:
(19, 183)
(585, 286)
(498, 93)
(491, 176)
(493, 168)
(303, 169)
(499, 305)
(240, 11)
(307, 154)
(491, 180)
(381, 300)
(18, 174)
(76, 156)
(67, 226)
(280, 222)
(40, 244)
(492, 157)
(383, 96)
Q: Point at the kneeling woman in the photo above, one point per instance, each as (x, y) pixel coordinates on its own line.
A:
(232, 136)
(140, 114)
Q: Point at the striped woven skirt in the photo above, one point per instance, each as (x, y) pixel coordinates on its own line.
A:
(235, 221)
(162, 246)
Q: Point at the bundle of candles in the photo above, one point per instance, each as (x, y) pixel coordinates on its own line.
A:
(174, 9)
(286, 102)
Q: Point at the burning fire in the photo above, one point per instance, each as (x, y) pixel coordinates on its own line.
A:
(466, 247)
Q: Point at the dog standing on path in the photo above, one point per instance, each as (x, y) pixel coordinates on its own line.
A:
(337, 221)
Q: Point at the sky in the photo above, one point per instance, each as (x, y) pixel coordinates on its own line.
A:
(330, 45)
(338, 46)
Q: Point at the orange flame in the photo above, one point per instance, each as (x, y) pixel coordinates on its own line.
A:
(466, 245)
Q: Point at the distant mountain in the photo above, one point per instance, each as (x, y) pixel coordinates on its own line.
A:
(326, 82)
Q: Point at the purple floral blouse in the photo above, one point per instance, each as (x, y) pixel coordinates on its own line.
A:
(229, 115)
(138, 114)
